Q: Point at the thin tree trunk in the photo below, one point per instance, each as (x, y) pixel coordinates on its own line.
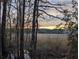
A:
(3, 30)
(0, 29)
(0, 14)
(9, 9)
(34, 30)
(22, 31)
(17, 31)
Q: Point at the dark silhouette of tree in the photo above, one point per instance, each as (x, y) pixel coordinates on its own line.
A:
(0, 12)
(0, 29)
(17, 31)
(73, 31)
(73, 35)
(22, 30)
(4, 52)
(34, 29)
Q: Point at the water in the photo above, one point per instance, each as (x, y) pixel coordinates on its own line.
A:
(45, 36)
(42, 38)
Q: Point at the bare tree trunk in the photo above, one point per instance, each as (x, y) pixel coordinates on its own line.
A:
(22, 30)
(9, 9)
(17, 31)
(34, 29)
(4, 53)
(0, 13)
(0, 29)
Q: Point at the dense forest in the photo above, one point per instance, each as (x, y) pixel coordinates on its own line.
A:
(23, 21)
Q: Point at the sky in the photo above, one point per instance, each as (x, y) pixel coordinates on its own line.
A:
(60, 1)
(52, 22)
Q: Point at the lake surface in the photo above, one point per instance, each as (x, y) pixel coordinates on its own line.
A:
(46, 39)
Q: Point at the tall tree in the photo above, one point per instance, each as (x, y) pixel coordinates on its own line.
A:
(0, 29)
(17, 29)
(4, 53)
(34, 29)
(73, 36)
(0, 11)
(22, 29)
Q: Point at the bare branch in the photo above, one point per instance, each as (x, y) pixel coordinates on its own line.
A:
(51, 3)
(50, 15)
(57, 8)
